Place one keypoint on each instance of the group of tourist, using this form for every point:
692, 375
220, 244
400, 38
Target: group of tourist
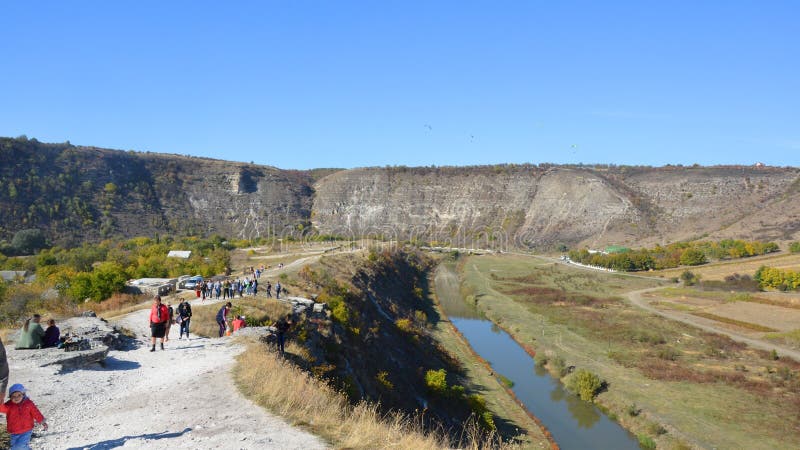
228, 288
163, 316
33, 335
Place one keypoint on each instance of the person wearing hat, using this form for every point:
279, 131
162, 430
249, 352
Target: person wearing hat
21, 414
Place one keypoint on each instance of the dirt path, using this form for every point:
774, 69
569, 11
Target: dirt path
638, 300
180, 398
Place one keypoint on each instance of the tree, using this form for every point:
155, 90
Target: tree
693, 257
26, 242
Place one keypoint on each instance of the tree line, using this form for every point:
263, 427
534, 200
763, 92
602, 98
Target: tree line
674, 255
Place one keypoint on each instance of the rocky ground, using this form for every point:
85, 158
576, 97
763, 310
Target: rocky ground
180, 398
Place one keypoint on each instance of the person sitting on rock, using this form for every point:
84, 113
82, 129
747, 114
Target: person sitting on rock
31, 334
52, 335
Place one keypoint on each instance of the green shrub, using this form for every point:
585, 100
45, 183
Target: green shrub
668, 353
557, 366
794, 247
383, 379
478, 406
633, 410
646, 442
436, 381
404, 325
586, 384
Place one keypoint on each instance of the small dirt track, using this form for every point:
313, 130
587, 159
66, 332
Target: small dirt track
636, 299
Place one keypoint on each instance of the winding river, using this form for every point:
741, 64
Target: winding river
574, 423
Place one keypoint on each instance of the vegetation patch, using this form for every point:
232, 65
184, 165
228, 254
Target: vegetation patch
674, 255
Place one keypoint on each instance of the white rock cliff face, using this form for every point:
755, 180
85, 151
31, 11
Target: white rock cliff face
529, 206
469, 207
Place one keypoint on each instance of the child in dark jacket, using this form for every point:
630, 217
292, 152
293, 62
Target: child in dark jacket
21, 414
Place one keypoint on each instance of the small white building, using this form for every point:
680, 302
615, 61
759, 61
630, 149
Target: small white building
184, 254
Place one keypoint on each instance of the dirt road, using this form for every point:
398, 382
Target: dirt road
638, 300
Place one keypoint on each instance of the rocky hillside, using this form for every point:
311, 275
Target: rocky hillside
79, 193
540, 206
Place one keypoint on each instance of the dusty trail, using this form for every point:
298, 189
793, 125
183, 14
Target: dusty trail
179, 398
637, 300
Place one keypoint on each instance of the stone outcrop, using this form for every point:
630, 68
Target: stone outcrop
93, 338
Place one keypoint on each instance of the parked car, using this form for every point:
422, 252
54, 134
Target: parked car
191, 283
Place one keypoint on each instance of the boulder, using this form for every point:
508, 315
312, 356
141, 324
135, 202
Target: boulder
90, 340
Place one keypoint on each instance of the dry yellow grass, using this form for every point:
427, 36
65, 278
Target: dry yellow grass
311, 403
744, 266
258, 309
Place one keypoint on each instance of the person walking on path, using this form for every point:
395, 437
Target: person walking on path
278, 290
283, 325
169, 322
185, 316
159, 316
269, 289
21, 413
32, 333
222, 318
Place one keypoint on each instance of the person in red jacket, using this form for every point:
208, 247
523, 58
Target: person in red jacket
21, 414
239, 323
159, 317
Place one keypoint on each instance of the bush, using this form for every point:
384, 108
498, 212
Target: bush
689, 278
26, 242
436, 381
794, 247
646, 442
633, 410
693, 257
383, 379
585, 384
668, 353
404, 325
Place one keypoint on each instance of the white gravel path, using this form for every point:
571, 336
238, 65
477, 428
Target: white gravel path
179, 398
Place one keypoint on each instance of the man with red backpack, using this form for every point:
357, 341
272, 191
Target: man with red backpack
159, 317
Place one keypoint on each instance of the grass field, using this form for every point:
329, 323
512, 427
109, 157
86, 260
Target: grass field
702, 388
743, 266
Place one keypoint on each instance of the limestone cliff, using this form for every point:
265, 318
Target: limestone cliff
534, 206
84, 193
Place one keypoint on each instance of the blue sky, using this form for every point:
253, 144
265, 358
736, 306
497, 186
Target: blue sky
304, 84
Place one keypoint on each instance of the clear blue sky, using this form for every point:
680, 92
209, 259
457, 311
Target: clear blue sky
303, 84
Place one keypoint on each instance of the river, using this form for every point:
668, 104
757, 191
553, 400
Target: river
574, 423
